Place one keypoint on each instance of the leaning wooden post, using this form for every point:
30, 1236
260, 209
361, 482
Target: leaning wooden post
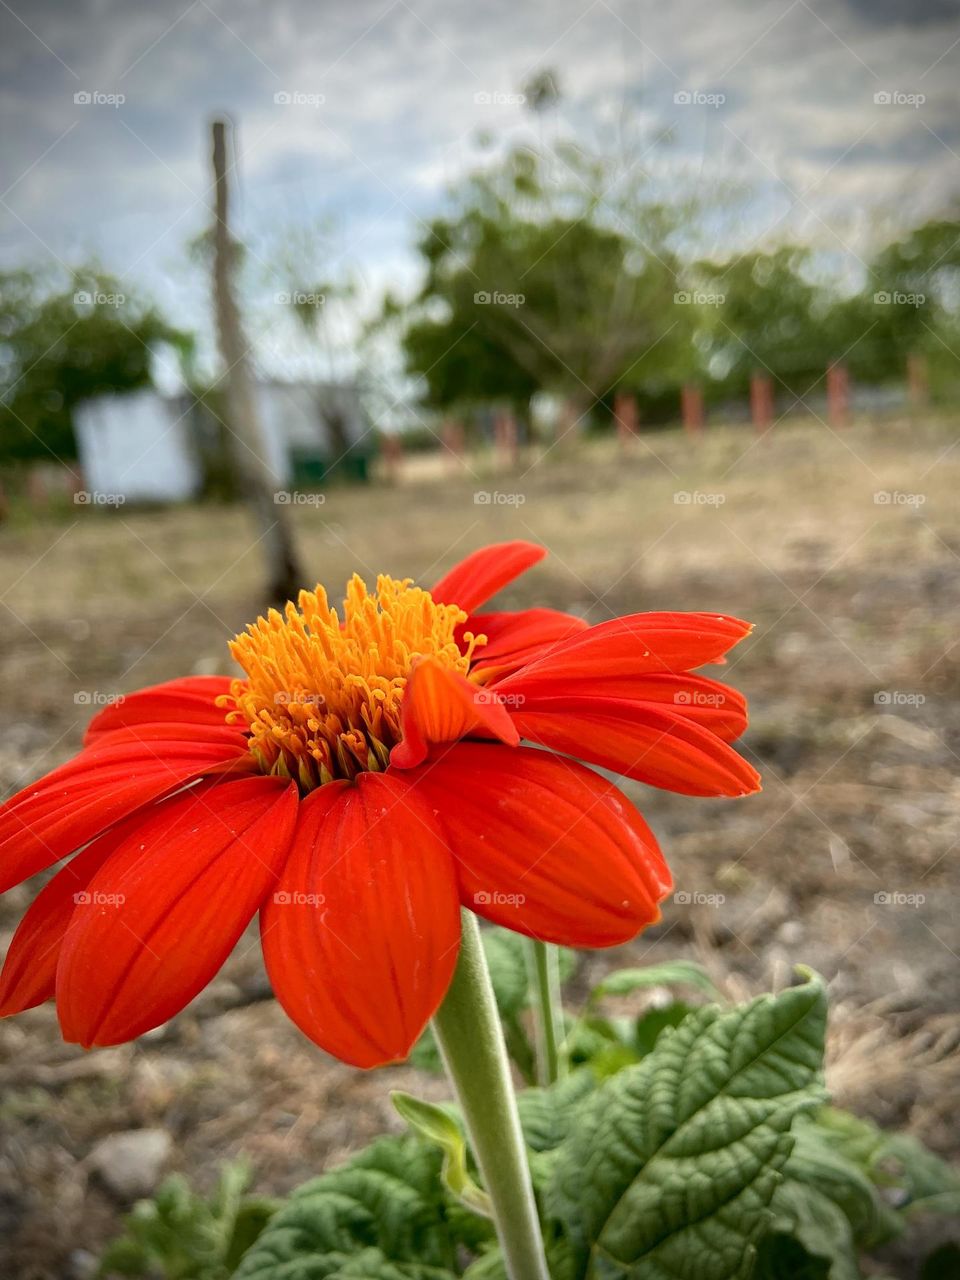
627, 419
284, 578
691, 404
761, 401
838, 395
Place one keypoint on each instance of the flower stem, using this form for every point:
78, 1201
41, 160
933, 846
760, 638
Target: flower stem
545, 980
468, 1031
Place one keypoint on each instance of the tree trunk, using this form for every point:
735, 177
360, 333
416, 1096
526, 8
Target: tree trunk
284, 577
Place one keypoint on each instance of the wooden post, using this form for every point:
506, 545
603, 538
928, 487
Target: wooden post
284, 578
838, 395
451, 433
392, 447
761, 401
691, 403
918, 380
627, 419
505, 439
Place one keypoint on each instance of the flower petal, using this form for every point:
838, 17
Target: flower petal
545, 846
64, 810
190, 700
483, 573
168, 906
440, 705
638, 644
514, 639
361, 938
646, 742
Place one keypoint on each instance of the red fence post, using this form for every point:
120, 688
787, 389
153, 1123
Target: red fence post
838, 395
505, 439
761, 401
918, 380
627, 418
452, 436
392, 447
691, 404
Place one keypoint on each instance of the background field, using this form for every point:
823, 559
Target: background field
843, 548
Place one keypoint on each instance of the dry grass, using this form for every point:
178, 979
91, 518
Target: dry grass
853, 598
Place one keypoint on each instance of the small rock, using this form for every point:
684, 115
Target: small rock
130, 1163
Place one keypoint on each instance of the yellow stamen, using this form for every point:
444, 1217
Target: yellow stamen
322, 699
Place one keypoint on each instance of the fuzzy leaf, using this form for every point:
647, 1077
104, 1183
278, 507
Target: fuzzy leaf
669, 1170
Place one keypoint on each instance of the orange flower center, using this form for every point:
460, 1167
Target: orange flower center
322, 698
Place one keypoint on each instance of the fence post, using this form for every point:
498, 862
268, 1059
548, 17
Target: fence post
451, 433
627, 418
838, 394
761, 401
505, 439
392, 447
918, 380
691, 404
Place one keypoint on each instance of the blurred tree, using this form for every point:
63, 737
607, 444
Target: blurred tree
64, 339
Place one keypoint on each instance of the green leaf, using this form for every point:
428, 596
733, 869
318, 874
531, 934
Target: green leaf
671, 973
670, 1167
438, 1126
546, 1115
383, 1215
812, 1218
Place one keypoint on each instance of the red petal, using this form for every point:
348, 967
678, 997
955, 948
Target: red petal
639, 644
67, 808
545, 846
514, 639
190, 700
483, 573
168, 906
440, 705
644, 742
361, 938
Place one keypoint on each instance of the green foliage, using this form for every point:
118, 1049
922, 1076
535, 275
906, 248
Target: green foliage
441, 1128
183, 1236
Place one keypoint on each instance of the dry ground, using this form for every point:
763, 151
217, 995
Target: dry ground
852, 674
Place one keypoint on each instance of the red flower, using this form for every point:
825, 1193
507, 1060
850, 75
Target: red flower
362, 782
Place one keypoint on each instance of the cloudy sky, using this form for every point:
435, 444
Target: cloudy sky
842, 114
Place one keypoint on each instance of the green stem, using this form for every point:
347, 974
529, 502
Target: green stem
545, 980
468, 1031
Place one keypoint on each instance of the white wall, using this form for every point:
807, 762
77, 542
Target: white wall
137, 445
